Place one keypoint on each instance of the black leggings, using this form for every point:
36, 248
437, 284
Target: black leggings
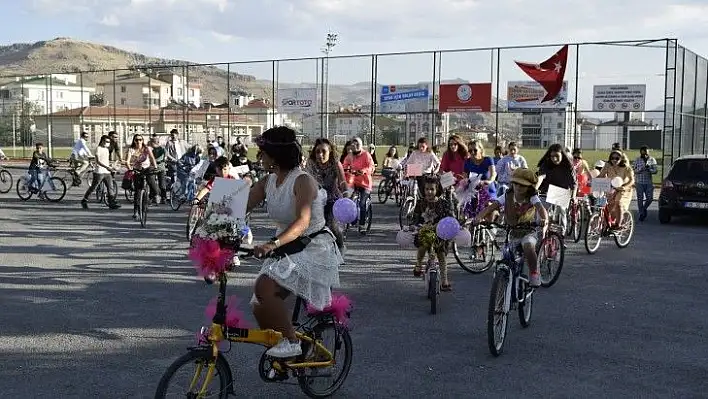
140, 183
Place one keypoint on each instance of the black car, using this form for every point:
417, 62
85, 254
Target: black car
685, 188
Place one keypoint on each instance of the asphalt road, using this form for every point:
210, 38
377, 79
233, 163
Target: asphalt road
91, 305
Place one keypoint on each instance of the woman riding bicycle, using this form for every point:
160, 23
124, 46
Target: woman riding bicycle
618, 165
482, 165
360, 165
453, 160
556, 168
521, 204
140, 159
582, 172
507, 165
329, 173
296, 205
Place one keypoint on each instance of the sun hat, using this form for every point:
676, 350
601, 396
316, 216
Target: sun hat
524, 177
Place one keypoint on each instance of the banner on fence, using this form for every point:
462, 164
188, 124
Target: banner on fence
527, 96
404, 98
466, 97
619, 98
297, 100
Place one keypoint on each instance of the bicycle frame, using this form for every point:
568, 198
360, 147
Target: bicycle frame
265, 337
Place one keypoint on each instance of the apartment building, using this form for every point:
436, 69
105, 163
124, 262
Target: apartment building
45, 94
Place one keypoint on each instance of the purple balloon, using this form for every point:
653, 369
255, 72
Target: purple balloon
345, 210
447, 228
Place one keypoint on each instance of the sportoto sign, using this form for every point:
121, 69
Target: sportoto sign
297, 100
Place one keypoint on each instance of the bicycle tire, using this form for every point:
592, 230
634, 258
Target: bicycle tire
498, 292
433, 282
576, 224
561, 247
525, 307
129, 195
143, 207
5, 181
195, 214
22, 182
626, 216
175, 198
59, 186
405, 212
594, 218
383, 191
474, 267
343, 339
201, 355
369, 216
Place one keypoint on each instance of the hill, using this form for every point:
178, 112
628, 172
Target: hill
64, 55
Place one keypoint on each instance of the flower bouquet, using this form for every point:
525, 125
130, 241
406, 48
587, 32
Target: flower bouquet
217, 239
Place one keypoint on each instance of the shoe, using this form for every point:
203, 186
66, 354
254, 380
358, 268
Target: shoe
135, 216
114, 205
84, 203
446, 287
417, 272
285, 349
535, 280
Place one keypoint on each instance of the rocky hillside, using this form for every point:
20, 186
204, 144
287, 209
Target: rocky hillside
64, 55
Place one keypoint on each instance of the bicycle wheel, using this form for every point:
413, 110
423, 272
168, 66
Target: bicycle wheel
5, 181
383, 192
342, 345
129, 195
526, 305
57, 189
575, 226
552, 251
200, 370
498, 312
22, 188
406, 213
468, 260
593, 232
143, 207
433, 291
369, 216
195, 215
100, 193
176, 197
626, 230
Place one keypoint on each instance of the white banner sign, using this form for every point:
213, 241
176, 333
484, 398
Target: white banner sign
619, 98
297, 100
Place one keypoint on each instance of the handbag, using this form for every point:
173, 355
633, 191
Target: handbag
127, 182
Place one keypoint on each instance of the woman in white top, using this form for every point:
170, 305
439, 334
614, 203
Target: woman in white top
102, 174
296, 205
140, 159
423, 156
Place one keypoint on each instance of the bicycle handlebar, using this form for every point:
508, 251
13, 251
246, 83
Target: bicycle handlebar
519, 226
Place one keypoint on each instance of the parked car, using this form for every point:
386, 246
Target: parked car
684, 191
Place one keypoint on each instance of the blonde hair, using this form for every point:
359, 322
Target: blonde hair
478, 145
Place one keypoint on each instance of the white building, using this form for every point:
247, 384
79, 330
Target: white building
46, 93
350, 125
263, 112
541, 129
139, 90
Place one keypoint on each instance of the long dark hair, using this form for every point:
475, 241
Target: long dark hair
545, 161
134, 144
462, 150
395, 152
332, 150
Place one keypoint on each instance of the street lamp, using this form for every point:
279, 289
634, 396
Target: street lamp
326, 49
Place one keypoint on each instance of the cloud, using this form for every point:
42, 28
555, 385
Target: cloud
450, 23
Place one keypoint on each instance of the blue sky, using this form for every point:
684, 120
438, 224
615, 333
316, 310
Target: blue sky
240, 30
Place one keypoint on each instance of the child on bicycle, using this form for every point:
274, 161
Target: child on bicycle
222, 168
37, 168
427, 213
521, 204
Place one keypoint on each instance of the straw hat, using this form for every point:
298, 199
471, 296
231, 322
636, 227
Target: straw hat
524, 177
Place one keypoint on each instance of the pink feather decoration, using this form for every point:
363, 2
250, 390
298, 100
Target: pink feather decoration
234, 316
340, 307
208, 257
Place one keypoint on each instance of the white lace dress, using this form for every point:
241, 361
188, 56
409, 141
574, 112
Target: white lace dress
311, 273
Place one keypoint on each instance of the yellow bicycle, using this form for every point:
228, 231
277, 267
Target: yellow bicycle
207, 365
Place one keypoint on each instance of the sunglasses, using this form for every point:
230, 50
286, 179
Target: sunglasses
474, 150
614, 159
138, 140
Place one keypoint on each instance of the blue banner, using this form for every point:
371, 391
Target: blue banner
406, 95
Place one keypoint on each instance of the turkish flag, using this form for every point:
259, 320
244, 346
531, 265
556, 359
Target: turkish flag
549, 73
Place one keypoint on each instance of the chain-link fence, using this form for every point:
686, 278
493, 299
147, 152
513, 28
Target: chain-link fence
589, 95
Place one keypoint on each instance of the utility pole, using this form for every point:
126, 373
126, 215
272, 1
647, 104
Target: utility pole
330, 42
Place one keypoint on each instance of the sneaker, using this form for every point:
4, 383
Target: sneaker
285, 349
84, 203
535, 280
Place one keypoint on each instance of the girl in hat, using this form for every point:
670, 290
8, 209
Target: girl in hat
521, 204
